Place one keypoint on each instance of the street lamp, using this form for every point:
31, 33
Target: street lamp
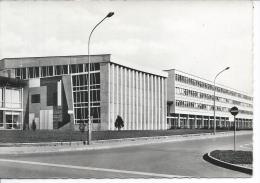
215, 97
110, 14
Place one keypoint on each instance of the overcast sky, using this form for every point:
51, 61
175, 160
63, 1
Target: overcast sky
198, 37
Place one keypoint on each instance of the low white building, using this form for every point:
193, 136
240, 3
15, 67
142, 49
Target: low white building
190, 103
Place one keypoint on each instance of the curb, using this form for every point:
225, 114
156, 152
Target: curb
227, 165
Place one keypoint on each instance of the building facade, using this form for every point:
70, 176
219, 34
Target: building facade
53, 93
190, 103
56, 89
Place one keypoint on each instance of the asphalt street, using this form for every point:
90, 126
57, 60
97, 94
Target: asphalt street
165, 160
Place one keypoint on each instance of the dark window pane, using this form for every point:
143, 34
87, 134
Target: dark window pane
18, 73
57, 70
23, 73
30, 70
44, 71
35, 98
65, 69
50, 69
73, 68
36, 72
80, 68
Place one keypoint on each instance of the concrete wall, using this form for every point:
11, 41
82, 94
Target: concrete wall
104, 97
139, 98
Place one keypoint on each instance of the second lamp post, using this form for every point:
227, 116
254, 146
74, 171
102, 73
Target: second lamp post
215, 97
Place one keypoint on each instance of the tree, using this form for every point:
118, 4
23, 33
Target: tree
119, 123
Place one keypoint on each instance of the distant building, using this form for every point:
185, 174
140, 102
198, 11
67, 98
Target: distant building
54, 93
190, 103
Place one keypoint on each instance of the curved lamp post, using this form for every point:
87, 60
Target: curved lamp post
215, 97
110, 14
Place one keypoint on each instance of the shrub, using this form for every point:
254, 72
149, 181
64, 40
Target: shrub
119, 123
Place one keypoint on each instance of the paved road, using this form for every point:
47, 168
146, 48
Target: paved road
165, 160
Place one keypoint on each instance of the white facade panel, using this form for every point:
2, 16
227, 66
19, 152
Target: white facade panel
137, 99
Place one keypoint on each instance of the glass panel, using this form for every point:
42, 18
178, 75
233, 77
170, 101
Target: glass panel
30, 70
73, 68
16, 120
16, 99
8, 118
18, 73
8, 98
36, 72
58, 70
1, 97
65, 69
80, 68
50, 69
1, 119
23, 73
12, 98
44, 71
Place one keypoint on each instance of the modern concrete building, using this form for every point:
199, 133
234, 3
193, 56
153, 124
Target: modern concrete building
52, 92
190, 103
55, 93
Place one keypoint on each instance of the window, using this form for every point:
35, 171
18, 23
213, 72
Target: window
58, 69
61, 69
93, 67
35, 98
13, 120
18, 73
13, 98
80, 97
73, 68
46, 71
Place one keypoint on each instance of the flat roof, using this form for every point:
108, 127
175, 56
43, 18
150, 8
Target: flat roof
10, 63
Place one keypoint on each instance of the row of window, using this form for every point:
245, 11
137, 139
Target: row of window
82, 79
194, 105
80, 97
201, 84
192, 93
45, 71
81, 114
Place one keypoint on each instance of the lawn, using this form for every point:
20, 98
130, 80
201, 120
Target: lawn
16, 136
234, 157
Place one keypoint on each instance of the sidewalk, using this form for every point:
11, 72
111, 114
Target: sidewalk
28, 148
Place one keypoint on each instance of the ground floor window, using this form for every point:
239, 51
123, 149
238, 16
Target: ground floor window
10, 120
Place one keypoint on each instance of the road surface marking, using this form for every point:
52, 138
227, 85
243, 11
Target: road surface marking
94, 169
246, 146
